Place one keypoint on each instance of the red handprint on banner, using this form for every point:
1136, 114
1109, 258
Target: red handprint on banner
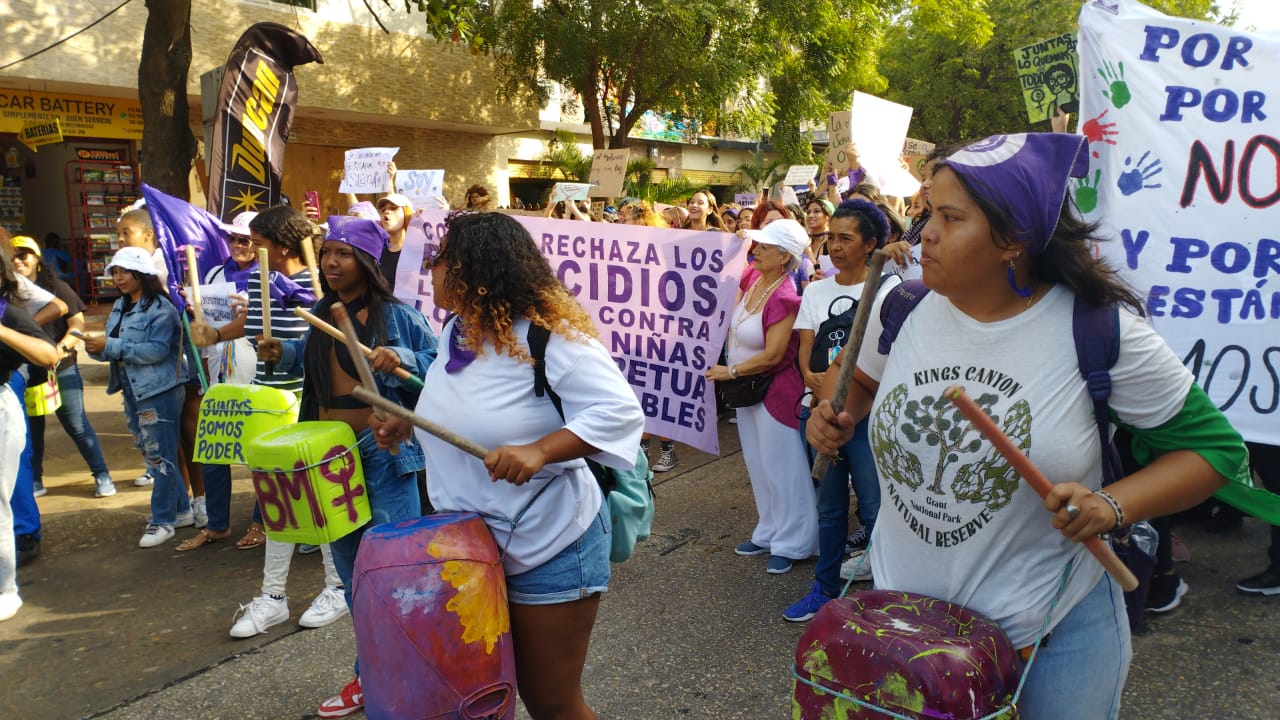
1095, 130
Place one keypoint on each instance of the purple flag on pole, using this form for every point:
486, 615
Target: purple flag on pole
178, 223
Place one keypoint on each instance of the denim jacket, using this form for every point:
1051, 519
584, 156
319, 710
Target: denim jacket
407, 334
149, 348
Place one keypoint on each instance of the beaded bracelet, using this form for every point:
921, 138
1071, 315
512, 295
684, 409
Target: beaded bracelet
1115, 507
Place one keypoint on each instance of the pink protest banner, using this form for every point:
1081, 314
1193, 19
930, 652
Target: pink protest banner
661, 300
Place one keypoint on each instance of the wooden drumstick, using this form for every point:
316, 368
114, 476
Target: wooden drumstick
378, 402
309, 256
357, 356
860, 317
336, 334
1036, 479
264, 273
193, 279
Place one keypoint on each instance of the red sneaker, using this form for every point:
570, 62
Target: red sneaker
345, 703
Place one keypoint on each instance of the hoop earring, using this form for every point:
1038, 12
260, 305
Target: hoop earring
1013, 283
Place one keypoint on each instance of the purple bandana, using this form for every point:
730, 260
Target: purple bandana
1026, 176
459, 356
289, 292
361, 234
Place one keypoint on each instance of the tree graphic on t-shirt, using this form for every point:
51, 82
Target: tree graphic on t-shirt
987, 479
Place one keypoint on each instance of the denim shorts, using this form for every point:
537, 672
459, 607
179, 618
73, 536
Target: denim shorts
579, 571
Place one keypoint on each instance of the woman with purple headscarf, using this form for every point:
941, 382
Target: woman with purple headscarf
1006, 258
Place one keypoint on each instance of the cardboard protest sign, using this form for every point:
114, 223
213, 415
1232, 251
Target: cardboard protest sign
746, 199
1049, 72
608, 171
661, 300
839, 136
422, 187
597, 210
879, 129
570, 191
914, 153
799, 175
231, 415
365, 170
1183, 176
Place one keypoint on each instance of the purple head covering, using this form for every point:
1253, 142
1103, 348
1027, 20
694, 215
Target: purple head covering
365, 209
359, 233
1026, 177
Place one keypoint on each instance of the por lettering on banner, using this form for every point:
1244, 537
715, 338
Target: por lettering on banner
660, 298
1184, 177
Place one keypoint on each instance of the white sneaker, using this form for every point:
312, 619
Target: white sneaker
666, 460
328, 606
186, 519
9, 604
143, 480
155, 534
858, 567
200, 511
261, 613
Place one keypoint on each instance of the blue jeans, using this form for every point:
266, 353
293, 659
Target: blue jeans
155, 423
13, 436
579, 571
75, 422
217, 496
857, 461
26, 514
1090, 649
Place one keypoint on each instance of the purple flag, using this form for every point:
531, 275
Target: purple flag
178, 223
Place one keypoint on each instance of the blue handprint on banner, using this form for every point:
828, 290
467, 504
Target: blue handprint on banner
1136, 177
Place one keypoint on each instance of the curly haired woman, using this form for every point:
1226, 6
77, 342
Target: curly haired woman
490, 272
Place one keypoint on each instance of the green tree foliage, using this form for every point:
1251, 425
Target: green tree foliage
759, 172
957, 71
749, 66
567, 159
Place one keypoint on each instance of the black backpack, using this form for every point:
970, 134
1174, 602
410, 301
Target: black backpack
833, 333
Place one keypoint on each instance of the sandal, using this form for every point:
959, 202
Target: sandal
202, 538
253, 537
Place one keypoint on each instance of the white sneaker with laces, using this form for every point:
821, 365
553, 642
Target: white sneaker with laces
858, 567
143, 480
155, 535
186, 519
200, 512
328, 606
666, 461
261, 613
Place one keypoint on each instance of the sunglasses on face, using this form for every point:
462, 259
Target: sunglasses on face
239, 240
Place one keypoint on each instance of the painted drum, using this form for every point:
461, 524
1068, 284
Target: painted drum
433, 633
916, 656
308, 481
230, 415
43, 399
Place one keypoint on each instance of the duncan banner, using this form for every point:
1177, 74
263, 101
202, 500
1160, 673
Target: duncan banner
255, 112
1183, 175
661, 301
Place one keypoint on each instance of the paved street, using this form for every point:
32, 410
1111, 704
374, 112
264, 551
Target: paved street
688, 630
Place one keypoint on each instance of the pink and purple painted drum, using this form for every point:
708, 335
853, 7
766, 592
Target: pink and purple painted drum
429, 602
916, 656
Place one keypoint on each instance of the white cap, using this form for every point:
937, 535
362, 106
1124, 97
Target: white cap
240, 223
396, 199
133, 258
785, 233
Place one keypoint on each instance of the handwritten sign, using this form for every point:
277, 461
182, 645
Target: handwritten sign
570, 191
660, 298
608, 171
422, 187
798, 175
839, 134
746, 199
309, 482
216, 301
230, 415
1049, 72
38, 133
365, 170
914, 153
1182, 173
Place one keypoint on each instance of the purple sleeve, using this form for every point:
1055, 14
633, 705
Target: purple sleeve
857, 176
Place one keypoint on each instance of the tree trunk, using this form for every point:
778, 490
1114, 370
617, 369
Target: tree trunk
167, 143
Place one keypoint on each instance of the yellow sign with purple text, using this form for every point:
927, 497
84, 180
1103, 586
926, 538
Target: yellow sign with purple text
76, 115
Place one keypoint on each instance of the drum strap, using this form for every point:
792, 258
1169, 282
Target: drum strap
513, 523
1005, 711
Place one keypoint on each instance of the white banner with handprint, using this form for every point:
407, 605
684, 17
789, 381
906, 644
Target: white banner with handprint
1185, 176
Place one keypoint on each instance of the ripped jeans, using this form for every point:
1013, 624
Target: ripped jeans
155, 423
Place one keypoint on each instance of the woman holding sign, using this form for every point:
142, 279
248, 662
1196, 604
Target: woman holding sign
1007, 260
144, 347
491, 273
400, 337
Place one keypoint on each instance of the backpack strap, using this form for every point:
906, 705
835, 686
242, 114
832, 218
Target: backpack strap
1097, 337
898, 304
537, 339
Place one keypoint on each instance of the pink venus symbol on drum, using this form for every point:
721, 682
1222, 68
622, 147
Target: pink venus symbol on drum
276, 490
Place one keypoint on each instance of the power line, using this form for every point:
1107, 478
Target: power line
81, 30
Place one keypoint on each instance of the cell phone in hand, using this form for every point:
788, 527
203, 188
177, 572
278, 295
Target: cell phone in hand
311, 198
76, 333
